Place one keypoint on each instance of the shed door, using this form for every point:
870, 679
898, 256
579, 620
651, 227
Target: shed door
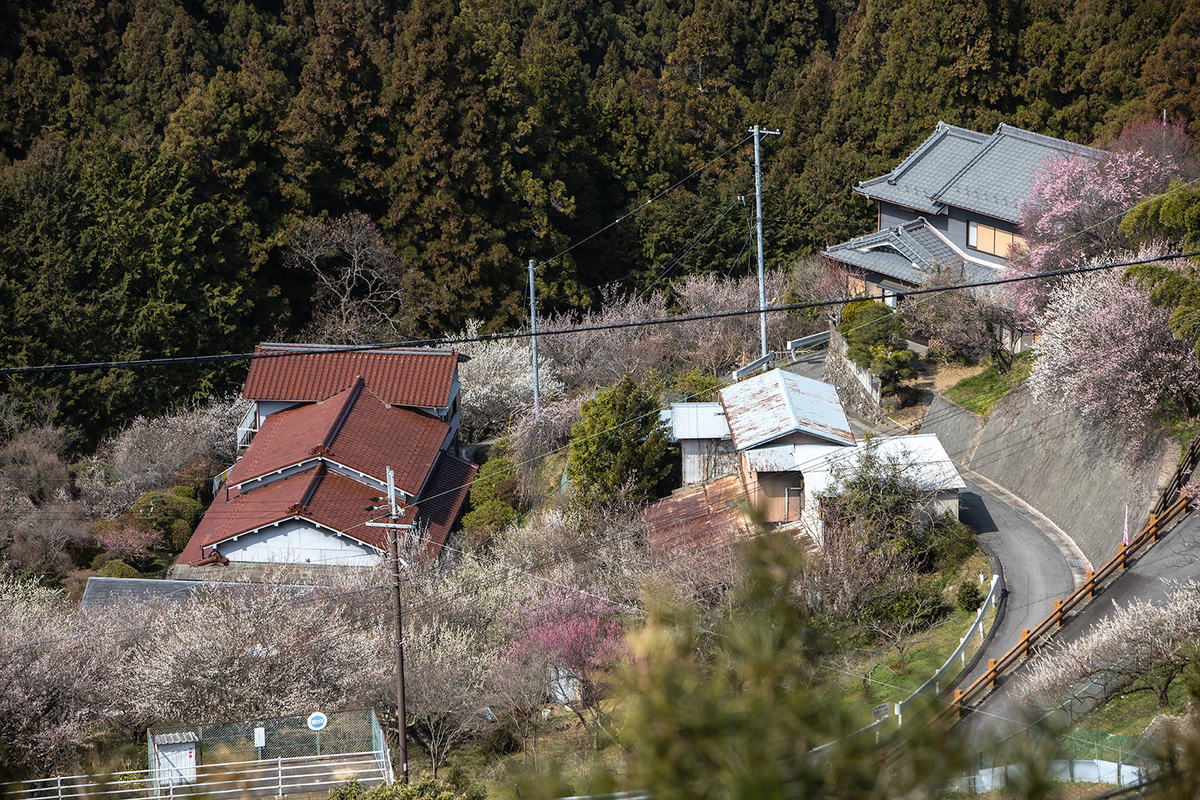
178, 762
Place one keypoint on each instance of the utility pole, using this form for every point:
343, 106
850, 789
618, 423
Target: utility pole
762, 280
393, 535
533, 322
394, 546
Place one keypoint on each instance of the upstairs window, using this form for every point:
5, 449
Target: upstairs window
991, 240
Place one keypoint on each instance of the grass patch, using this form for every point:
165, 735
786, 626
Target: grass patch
980, 393
1129, 716
892, 681
562, 742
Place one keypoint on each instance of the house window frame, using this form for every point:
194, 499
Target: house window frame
992, 233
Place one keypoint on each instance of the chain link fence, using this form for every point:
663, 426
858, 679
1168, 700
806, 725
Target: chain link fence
344, 732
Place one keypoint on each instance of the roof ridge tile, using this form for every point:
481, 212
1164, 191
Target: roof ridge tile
351, 398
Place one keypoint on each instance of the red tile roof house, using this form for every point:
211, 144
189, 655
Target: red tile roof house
325, 426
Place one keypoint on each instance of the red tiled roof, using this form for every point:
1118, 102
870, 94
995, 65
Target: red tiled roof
414, 378
444, 497
354, 428
320, 496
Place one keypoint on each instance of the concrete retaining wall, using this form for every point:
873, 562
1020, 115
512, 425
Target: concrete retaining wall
1055, 463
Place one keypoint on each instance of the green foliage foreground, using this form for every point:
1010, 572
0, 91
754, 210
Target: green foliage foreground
735, 712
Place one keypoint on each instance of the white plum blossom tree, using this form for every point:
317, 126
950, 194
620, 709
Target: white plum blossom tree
1104, 350
497, 380
1142, 646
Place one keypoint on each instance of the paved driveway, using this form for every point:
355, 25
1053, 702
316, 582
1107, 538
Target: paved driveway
1035, 569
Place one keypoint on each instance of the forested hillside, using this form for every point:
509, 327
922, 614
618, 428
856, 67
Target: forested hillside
159, 157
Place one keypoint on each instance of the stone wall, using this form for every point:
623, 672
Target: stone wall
857, 388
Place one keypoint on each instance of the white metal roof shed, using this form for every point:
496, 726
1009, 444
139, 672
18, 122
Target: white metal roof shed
923, 455
697, 421
766, 407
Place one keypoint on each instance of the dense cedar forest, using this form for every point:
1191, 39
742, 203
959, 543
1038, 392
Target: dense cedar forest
158, 157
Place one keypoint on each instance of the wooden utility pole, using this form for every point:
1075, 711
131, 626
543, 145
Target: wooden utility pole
533, 323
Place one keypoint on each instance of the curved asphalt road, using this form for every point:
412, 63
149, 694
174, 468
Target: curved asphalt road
1035, 570
1176, 557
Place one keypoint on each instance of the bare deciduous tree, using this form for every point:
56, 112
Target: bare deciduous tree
258, 651
968, 322
446, 664
722, 344
149, 451
360, 281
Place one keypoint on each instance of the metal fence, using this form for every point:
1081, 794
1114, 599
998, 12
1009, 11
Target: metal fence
304, 775
945, 674
269, 739
1083, 757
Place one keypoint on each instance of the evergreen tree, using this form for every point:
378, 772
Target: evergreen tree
620, 447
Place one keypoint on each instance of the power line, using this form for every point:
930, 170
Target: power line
511, 335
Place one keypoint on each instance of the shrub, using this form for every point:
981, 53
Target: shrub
496, 497
487, 518
694, 386
417, 790
875, 340
919, 605
161, 510
178, 534
950, 543
118, 569
968, 596
184, 491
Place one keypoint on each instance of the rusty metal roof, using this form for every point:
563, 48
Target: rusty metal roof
766, 407
706, 516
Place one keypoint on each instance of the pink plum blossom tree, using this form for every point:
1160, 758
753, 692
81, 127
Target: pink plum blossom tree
577, 635
1074, 211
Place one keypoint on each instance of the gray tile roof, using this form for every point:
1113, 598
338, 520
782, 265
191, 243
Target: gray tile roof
917, 178
906, 252
989, 175
102, 592
999, 176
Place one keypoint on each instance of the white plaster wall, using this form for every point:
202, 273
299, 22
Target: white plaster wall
268, 407
298, 542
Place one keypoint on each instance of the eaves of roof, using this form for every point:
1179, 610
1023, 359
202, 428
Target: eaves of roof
330, 501
907, 253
